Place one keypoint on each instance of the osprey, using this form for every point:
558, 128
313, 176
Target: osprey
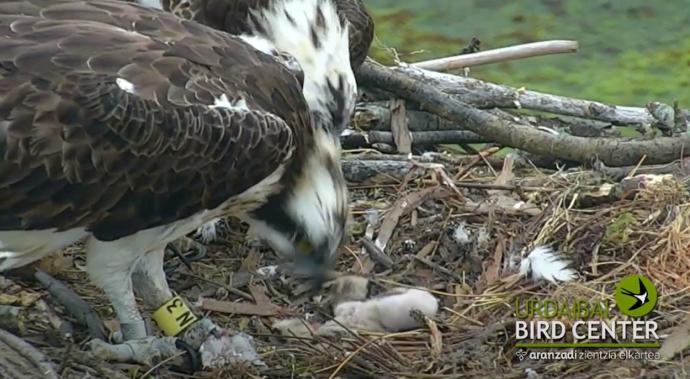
315, 36
239, 17
322, 35
130, 127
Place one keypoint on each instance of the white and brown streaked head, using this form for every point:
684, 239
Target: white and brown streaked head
304, 217
317, 37
306, 221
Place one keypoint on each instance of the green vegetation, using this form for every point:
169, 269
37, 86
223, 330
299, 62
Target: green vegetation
631, 52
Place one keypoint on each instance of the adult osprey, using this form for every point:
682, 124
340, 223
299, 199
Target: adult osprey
131, 127
318, 34
293, 26
235, 17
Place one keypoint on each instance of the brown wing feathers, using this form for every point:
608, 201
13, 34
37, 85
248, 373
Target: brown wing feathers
361, 29
79, 151
232, 15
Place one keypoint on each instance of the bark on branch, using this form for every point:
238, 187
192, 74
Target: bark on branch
357, 140
489, 95
376, 116
612, 152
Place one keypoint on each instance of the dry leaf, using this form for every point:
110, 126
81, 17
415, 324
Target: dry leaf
23, 299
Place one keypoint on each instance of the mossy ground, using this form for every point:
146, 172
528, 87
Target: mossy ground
631, 52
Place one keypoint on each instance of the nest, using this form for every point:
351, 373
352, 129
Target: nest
459, 232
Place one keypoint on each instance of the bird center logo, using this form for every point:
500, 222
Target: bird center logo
635, 296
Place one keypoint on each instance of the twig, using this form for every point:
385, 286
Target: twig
240, 308
73, 304
376, 253
613, 152
438, 268
230, 289
679, 168
161, 363
480, 157
24, 352
503, 54
401, 207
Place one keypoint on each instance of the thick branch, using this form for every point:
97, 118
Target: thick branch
357, 170
357, 140
612, 152
377, 116
489, 95
361, 167
499, 55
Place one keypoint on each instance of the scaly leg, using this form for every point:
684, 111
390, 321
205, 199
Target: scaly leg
149, 279
218, 347
151, 284
110, 268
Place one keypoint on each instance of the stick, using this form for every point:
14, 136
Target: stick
222, 306
21, 352
73, 304
398, 121
357, 140
377, 254
376, 116
400, 208
612, 152
510, 53
428, 157
357, 171
681, 169
489, 95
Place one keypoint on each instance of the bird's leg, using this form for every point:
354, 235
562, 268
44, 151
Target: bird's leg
151, 284
214, 344
110, 267
149, 279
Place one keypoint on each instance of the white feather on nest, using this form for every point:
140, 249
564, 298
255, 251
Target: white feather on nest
544, 263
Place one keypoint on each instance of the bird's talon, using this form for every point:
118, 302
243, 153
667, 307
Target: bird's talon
116, 337
198, 332
148, 351
193, 359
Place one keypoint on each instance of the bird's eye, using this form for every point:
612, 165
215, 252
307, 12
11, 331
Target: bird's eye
304, 247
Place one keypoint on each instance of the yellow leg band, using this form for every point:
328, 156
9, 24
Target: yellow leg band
173, 316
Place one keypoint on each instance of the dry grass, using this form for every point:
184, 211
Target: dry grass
474, 277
